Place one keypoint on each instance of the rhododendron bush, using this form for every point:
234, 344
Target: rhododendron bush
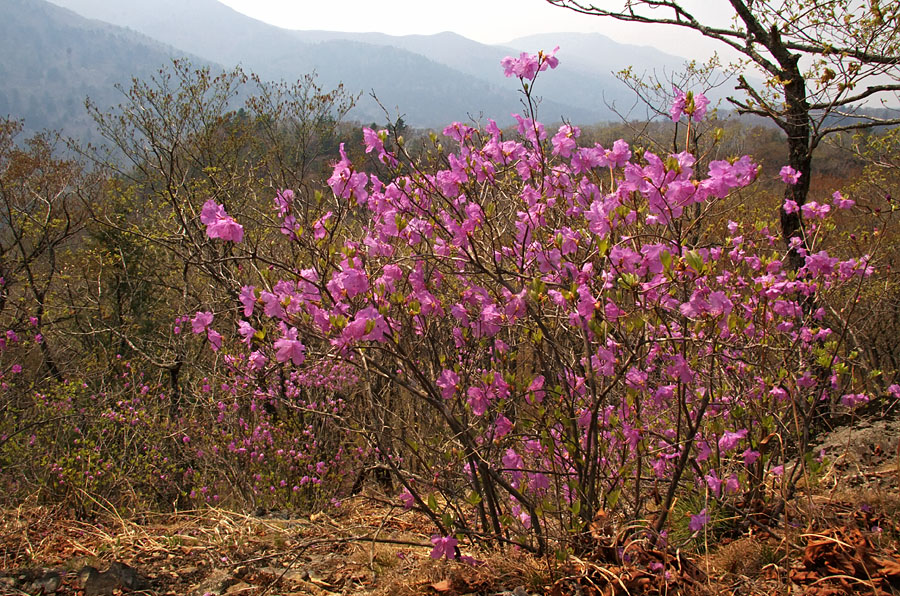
573, 330
522, 331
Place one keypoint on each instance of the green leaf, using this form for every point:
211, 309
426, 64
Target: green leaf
694, 260
665, 257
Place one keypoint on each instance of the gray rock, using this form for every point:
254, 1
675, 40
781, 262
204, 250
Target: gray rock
217, 583
47, 583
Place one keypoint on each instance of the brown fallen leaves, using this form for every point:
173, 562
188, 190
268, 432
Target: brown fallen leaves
842, 561
625, 561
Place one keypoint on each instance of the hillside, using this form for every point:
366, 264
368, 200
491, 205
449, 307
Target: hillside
53, 58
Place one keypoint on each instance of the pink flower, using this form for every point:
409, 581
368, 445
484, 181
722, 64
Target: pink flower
564, 141
729, 440
536, 389
257, 360
219, 224
248, 299
750, 456
290, 348
789, 175
700, 104
201, 321
813, 209
345, 183
840, 202
851, 400
448, 381
688, 103
283, 200
678, 105
215, 339
349, 283
408, 501
319, 229
246, 331
732, 485
526, 66
698, 521
478, 399
443, 546
502, 426
367, 325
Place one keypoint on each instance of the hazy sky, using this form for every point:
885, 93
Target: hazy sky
487, 21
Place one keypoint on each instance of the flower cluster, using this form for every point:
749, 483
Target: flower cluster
219, 224
527, 66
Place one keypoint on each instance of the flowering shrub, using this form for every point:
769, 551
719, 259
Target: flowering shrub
572, 328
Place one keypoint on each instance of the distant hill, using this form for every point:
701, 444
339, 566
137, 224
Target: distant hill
52, 58
431, 79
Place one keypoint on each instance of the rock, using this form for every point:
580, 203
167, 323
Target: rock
128, 576
48, 583
290, 575
238, 588
118, 576
95, 583
216, 583
37, 581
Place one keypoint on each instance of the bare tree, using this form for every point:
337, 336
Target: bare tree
821, 58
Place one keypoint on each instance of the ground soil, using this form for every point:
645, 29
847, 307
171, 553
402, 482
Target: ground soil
838, 535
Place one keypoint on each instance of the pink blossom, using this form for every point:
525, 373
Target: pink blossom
789, 175
698, 521
283, 200
478, 399
319, 229
246, 331
443, 546
502, 426
564, 141
750, 456
840, 202
219, 224
248, 299
349, 283
367, 325
815, 210
851, 400
448, 381
526, 66
201, 321
408, 500
345, 182
215, 339
257, 360
678, 104
288, 347
536, 389
694, 105
732, 485
714, 483
729, 440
